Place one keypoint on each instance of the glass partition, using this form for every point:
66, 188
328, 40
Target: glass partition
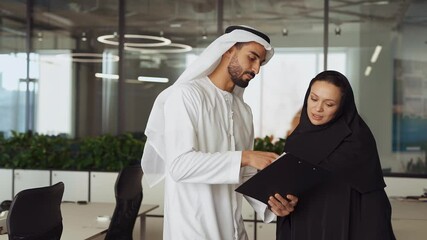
77, 87
408, 74
64, 70
13, 70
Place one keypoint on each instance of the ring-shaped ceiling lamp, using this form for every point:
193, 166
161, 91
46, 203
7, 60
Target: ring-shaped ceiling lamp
161, 40
89, 57
175, 48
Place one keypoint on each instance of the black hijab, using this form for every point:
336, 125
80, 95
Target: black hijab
345, 145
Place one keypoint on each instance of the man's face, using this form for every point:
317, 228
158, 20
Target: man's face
245, 63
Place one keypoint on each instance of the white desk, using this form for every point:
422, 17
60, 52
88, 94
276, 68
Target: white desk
409, 219
80, 221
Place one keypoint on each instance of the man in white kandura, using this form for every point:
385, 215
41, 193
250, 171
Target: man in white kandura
200, 139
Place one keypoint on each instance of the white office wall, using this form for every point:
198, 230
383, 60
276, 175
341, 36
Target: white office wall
6, 184
54, 82
24, 179
154, 229
76, 184
399, 186
266, 231
102, 186
153, 195
249, 226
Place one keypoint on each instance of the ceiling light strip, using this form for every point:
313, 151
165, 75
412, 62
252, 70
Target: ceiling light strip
89, 57
140, 78
107, 75
368, 70
153, 79
376, 53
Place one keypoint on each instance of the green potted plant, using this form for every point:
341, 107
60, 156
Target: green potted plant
268, 143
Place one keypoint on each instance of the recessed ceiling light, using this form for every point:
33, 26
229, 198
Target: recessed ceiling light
84, 38
285, 32
337, 30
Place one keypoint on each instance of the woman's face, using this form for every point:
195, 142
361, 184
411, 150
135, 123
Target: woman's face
323, 102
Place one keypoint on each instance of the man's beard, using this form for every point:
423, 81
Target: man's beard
236, 73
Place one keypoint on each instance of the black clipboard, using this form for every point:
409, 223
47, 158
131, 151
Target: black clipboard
286, 175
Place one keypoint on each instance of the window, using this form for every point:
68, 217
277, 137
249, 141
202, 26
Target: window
277, 93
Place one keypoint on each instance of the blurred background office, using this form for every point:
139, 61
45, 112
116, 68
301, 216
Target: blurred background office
91, 67
85, 68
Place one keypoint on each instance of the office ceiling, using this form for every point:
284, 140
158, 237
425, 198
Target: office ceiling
187, 21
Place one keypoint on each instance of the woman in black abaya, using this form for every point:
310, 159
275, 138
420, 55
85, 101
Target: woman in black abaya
351, 204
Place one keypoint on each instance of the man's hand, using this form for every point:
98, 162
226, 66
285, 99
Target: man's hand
258, 159
281, 206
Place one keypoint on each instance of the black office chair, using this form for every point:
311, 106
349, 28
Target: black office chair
128, 190
35, 214
5, 205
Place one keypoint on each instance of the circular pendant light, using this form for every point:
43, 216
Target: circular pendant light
157, 41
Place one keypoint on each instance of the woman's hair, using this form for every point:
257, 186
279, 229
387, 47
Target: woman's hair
333, 77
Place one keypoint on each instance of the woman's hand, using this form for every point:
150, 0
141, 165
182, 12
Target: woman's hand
282, 206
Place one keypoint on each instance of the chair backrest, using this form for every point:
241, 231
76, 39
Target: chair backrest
128, 191
35, 214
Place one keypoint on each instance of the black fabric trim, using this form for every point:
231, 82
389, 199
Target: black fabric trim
251, 30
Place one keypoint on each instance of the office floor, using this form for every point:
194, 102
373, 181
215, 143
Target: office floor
154, 228
409, 223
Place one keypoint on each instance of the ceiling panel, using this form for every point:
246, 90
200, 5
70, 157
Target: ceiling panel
189, 20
